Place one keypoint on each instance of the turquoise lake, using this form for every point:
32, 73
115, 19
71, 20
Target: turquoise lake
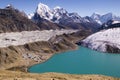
81, 61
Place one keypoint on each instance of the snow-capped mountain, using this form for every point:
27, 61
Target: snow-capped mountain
96, 17
104, 18
61, 16
105, 41
44, 11
56, 14
9, 6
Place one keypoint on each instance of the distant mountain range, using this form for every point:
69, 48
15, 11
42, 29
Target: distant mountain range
107, 39
101, 19
56, 18
72, 20
59, 14
62, 17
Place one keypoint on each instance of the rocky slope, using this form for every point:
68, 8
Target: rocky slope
11, 75
11, 20
111, 24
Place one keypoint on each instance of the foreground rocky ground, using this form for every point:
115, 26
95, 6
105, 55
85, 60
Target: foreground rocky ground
14, 75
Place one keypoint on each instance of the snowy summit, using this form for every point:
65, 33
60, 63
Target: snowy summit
44, 11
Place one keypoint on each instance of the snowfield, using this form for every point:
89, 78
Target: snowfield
21, 38
99, 40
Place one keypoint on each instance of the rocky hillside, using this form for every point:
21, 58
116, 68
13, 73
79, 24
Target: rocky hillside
12, 20
11, 75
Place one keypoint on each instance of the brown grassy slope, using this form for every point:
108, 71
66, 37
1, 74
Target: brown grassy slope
14, 75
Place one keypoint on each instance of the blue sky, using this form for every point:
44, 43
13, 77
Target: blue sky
82, 7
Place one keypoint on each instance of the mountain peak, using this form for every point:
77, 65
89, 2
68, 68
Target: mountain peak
110, 14
59, 10
96, 13
9, 6
57, 7
44, 11
104, 18
96, 16
43, 7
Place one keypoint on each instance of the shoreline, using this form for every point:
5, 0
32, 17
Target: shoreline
52, 56
15, 75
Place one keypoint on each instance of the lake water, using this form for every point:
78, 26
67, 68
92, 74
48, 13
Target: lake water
81, 61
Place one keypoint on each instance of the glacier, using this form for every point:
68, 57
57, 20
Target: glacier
21, 38
99, 40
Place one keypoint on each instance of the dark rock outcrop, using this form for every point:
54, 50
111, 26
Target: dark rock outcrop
110, 24
112, 49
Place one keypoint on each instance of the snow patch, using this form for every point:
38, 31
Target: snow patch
115, 22
30, 16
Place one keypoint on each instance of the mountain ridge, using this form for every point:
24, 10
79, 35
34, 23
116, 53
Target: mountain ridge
61, 16
57, 13
101, 19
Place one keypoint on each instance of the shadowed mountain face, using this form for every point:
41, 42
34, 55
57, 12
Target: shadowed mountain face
45, 24
12, 20
111, 24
